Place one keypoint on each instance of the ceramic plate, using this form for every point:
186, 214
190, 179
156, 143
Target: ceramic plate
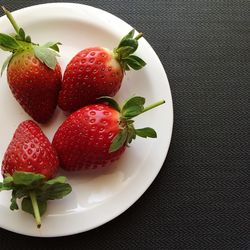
97, 197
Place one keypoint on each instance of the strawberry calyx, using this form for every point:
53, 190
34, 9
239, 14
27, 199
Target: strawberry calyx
20, 42
35, 191
124, 52
130, 109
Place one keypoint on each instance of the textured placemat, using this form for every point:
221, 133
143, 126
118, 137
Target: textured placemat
200, 199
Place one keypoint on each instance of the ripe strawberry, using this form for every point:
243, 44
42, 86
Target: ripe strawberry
96, 72
29, 163
30, 151
33, 74
96, 135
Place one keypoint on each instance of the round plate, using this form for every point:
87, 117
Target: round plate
97, 196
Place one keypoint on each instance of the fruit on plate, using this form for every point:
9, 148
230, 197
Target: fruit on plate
29, 166
33, 73
97, 71
97, 134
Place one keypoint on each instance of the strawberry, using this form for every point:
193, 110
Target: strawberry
33, 74
96, 72
97, 134
30, 151
30, 162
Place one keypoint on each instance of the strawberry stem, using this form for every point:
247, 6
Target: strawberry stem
154, 105
139, 36
35, 208
11, 18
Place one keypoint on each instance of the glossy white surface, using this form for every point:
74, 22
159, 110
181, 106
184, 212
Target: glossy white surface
100, 196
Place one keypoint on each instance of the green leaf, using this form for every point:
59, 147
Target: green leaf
8, 180
52, 45
27, 206
5, 187
126, 67
111, 102
13, 203
133, 107
6, 49
6, 63
46, 56
138, 59
129, 43
131, 134
146, 132
124, 51
22, 34
128, 36
12, 34
58, 179
119, 140
27, 179
135, 62
28, 39
55, 191
132, 112
8, 43
55, 47
134, 101
17, 37
21, 192
7, 183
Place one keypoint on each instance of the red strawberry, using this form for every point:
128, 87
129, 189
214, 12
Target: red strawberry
29, 163
98, 134
34, 76
84, 138
96, 72
30, 151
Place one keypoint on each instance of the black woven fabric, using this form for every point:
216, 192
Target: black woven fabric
200, 199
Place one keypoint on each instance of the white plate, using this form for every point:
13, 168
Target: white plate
97, 197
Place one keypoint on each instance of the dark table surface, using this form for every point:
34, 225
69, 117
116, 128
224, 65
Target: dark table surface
200, 199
